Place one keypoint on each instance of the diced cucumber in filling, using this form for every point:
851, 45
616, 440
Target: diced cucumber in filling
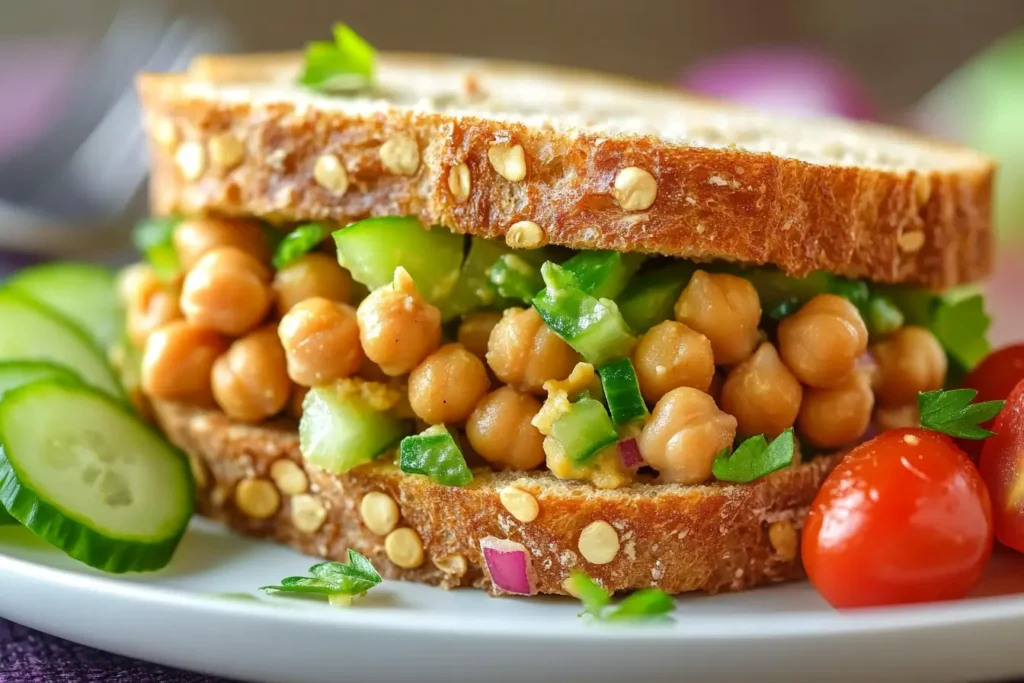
474, 289
622, 392
435, 453
154, 238
651, 296
603, 274
584, 430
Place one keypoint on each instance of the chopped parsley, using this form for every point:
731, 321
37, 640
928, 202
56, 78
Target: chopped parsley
755, 458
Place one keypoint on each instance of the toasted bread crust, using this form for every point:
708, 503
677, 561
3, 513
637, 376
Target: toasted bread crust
924, 227
709, 538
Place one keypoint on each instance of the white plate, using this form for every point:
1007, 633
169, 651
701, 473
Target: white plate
181, 617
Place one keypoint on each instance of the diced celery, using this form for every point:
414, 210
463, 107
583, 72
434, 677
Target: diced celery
603, 274
650, 296
622, 391
584, 430
435, 454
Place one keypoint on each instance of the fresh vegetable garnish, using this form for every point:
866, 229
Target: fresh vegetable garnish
951, 412
340, 582
514, 277
509, 565
649, 297
603, 274
1002, 457
649, 603
347, 64
84, 474
864, 545
622, 391
584, 430
299, 242
154, 239
434, 453
994, 379
594, 327
755, 458
14, 374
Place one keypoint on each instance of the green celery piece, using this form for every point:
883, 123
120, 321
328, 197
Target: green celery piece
594, 327
622, 391
474, 289
299, 242
651, 296
154, 239
584, 430
603, 274
435, 454
343, 65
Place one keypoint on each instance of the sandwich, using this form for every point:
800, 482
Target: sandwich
489, 323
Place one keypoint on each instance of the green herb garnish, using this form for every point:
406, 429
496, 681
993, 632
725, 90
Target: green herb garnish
154, 238
434, 453
339, 582
649, 603
299, 242
344, 65
951, 412
755, 458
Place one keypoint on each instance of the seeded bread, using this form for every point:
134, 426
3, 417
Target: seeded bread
712, 538
594, 161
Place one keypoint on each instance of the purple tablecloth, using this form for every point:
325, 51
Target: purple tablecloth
28, 656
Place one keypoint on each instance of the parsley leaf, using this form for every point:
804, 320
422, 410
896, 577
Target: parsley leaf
960, 326
644, 604
755, 458
951, 412
339, 582
593, 597
298, 243
344, 65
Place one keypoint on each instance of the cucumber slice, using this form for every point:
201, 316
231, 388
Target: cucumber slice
651, 296
88, 477
299, 242
584, 430
339, 429
603, 274
30, 331
14, 374
5, 518
622, 391
84, 293
371, 250
474, 289
434, 453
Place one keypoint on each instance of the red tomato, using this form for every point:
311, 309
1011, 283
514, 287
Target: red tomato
1002, 457
904, 518
994, 379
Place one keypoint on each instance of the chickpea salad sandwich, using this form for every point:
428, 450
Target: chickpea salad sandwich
493, 325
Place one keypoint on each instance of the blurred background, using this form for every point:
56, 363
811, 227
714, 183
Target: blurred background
72, 165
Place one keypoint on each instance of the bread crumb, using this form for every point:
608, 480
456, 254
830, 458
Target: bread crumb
658, 571
718, 180
567, 558
630, 550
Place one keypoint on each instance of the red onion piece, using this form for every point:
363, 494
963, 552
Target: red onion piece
629, 453
509, 565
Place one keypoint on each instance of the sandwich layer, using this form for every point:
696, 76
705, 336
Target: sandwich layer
595, 162
714, 537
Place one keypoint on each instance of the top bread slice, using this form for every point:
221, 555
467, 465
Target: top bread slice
235, 136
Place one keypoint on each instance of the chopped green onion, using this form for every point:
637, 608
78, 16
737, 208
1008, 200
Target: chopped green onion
622, 391
755, 458
346, 64
603, 274
651, 296
435, 454
584, 430
154, 238
339, 582
298, 243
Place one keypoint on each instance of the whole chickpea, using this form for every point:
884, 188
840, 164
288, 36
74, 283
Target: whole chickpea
910, 361
250, 381
297, 399
321, 342
821, 343
524, 352
500, 432
726, 310
178, 360
447, 385
831, 418
227, 290
311, 275
684, 434
671, 355
475, 332
195, 237
908, 415
762, 394
397, 327
149, 304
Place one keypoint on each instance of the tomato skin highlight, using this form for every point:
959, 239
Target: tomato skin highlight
994, 378
904, 518
1002, 467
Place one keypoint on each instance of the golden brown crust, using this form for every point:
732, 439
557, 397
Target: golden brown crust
710, 538
930, 227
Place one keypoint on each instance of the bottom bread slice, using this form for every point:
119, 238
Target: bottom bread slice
712, 537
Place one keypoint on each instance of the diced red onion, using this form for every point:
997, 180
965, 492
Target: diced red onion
509, 565
629, 453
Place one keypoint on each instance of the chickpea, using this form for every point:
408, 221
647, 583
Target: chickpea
524, 352
309, 276
295, 402
178, 360
227, 291
715, 390
447, 385
671, 355
726, 310
500, 432
831, 418
821, 343
250, 381
684, 434
910, 361
397, 327
195, 237
321, 342
762, 394
908, 415
149, 304
475, 332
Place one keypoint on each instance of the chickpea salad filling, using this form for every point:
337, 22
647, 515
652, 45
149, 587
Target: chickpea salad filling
390, 340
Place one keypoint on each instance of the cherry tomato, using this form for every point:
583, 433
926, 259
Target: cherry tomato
1002, 467
903, 518
994, 379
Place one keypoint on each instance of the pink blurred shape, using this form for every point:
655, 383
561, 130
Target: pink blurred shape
788, 80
